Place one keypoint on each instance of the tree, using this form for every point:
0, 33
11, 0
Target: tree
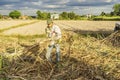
108, 14
42, 15
103, 14
77, 17
15, 14
71, 15
64, 15
116, 8
39, 14
112, 13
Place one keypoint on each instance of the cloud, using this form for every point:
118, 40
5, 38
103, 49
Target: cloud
78, 6
90, 3
56, 2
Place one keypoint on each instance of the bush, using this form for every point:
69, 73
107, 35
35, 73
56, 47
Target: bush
15, 14
97, 18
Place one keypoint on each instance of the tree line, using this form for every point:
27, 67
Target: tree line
115, 12
44, 15
64, 15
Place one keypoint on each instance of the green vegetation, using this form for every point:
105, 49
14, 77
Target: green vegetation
15, 14
42, 15
116, 8
69, 16
106, 18
64, 15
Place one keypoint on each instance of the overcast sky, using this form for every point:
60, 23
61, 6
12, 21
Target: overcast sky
30, 7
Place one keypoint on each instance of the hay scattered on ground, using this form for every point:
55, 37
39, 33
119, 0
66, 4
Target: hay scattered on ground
113, 39
82, 58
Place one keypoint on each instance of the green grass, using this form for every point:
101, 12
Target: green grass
105, 18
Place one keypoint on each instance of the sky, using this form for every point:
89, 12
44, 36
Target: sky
81, 7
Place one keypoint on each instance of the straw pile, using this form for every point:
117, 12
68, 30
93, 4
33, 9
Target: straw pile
81, 59
113, 39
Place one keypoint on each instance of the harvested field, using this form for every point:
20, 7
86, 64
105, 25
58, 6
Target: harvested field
87, 25
9, 23
38, 28
33, 29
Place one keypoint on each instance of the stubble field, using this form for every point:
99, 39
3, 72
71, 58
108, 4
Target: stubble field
38, 28
9, 23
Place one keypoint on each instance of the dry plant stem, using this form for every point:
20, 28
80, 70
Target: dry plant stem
17, 77
51, 73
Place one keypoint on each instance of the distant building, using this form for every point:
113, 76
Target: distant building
89, 15
54, 16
